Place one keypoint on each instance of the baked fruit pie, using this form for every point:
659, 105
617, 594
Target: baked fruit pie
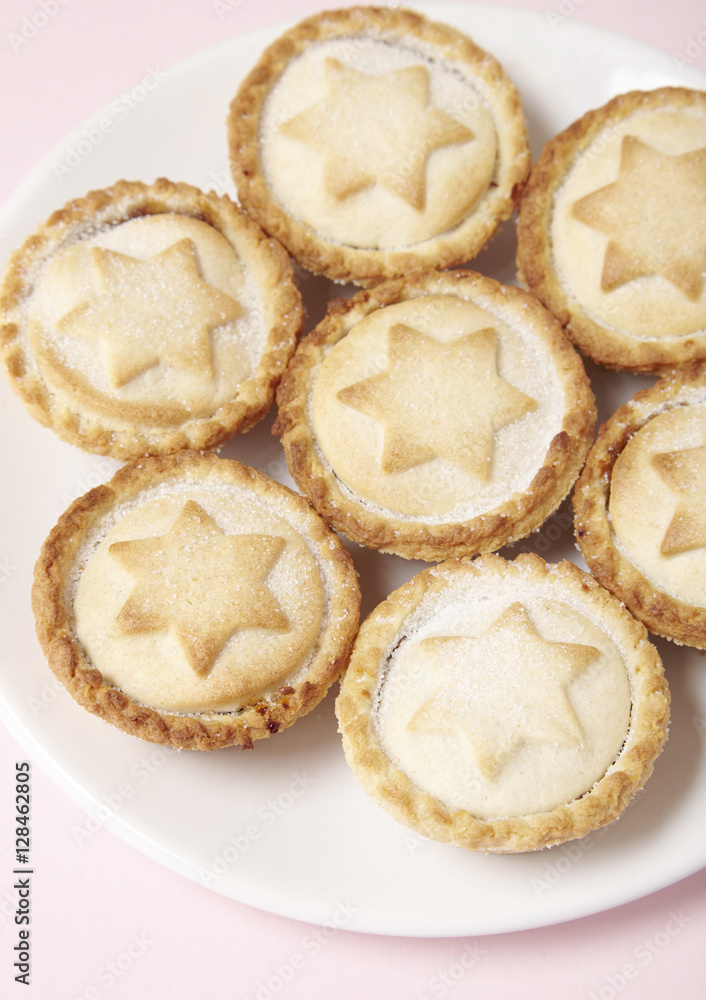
196, 602
502, 706
611, 233
372, 142
444, 415
641, 506
148, 318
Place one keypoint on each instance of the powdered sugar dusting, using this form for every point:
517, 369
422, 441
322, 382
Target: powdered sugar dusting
458, 707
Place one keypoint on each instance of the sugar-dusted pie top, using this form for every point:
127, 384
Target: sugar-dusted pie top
627, 231
155, 317
146, 318
198, 598
376, 144
435, 408
503, 706
658, 502
611, 232
194, 601
373, 142
440, 415
494, 699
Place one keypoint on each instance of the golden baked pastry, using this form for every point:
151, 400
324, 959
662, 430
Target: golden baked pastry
501, 706
611, 232
194, 601
148, 318
443, 415
640, 506
372, 142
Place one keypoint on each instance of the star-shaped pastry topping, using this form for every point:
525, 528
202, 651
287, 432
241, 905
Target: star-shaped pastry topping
684, 472
653, 215
438, 399
502, 689
199, 583
376, 129
147, 311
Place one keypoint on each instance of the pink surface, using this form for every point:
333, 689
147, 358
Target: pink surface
107, 921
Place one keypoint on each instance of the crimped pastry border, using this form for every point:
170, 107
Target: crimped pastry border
104, 208
366, 267
516, 517
663, 615
399, 796
535, 258
212, 730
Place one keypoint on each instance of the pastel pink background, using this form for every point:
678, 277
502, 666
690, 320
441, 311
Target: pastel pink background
101, 901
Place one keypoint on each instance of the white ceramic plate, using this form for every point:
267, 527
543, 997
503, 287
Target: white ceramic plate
285, 828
